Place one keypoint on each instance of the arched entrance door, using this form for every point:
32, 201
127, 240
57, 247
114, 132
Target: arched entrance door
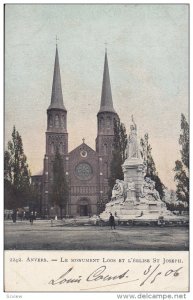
83, 207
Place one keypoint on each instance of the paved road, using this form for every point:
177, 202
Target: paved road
42, 236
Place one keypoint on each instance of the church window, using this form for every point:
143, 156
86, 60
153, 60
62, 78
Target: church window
112, 148
83, 171
61, 148
106, 170
50, 121
56, 121
108, 122
101, 123
52, 148
83, 153
63, 121
105, 149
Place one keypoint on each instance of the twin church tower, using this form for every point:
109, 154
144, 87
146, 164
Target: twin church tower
87, 170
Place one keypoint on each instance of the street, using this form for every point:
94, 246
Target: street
42, 236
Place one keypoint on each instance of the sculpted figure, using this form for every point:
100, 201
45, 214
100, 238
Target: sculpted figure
132, 145
145, 189
148, 190
155, 193
118, 190
130, 189
131, 184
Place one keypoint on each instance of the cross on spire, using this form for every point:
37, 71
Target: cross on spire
106, 46
57, 39
83, 140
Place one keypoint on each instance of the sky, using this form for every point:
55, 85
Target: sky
148, 62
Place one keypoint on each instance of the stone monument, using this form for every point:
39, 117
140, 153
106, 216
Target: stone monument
135, 197
133, 167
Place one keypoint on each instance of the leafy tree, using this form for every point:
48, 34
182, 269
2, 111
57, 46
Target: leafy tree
9, 197
120, 138
178, 206
16, 173
34, 199
182, 166
118, 155
60, 190
184, 141
150, 164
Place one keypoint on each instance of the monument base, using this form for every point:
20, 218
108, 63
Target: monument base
132, 210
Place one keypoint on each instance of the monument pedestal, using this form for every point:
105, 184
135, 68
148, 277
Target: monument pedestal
134, 169
140, 202
135, 211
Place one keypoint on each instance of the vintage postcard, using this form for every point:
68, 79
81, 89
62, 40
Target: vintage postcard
96, 148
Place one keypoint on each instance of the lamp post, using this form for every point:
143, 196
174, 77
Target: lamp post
100, 203
46, 205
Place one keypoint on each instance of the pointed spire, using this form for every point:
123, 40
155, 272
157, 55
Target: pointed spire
106, 96
57, 97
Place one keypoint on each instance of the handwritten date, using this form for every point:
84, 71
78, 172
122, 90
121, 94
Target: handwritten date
102, 274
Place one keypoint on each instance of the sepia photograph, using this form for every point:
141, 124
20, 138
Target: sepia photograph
96, 141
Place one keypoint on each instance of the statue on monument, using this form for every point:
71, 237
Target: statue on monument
118, 190
132, 150
130, 189
148, 191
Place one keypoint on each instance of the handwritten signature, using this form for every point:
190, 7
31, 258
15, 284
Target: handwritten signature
101, 274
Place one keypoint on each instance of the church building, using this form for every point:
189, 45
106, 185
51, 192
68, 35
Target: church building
87, 170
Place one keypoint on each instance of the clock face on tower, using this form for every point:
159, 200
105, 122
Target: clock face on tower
83, 171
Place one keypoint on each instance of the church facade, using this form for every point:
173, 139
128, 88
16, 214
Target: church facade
87, 170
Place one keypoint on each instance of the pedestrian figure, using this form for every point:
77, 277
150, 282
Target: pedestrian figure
21, 216
112, 221
99, 221
14, 216
31, 218
35, 215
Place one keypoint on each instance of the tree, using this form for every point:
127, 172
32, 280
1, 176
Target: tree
16, 173
60, 191
34, 198
182, 166
150, 164
118, 155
